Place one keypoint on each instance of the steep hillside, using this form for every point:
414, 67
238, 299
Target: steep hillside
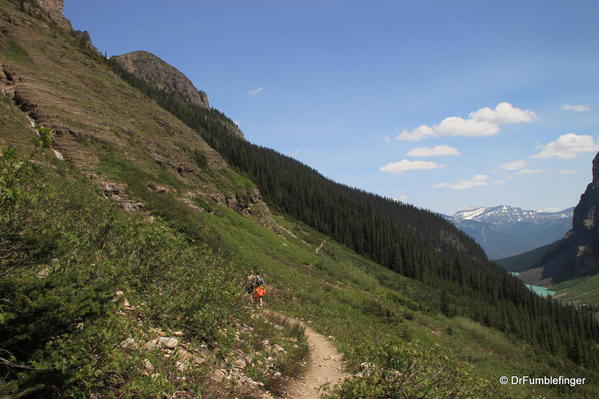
125, 241
505, 231
60, 82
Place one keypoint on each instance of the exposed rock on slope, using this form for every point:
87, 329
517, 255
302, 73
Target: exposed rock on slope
162, 75
104, 126
55, 8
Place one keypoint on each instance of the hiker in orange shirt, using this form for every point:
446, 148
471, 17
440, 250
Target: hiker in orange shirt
259, 291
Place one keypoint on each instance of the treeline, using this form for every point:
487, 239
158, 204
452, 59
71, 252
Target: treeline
413, 242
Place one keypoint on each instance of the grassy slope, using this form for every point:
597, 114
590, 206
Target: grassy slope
70, 236
579, 290
344, 295
361, 303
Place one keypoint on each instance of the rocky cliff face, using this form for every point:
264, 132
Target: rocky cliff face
55, 9
585, 226
162, 75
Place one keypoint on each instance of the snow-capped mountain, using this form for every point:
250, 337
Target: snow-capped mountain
505, 214
505, 230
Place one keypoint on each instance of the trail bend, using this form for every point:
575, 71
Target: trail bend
326, 365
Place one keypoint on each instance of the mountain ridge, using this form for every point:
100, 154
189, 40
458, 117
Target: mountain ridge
505, 214
505, 231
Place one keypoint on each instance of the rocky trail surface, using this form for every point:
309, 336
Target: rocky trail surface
326, 365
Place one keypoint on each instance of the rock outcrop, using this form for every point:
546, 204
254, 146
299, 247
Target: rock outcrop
585, 226
162, 75
85, 39
159, 74
54, 9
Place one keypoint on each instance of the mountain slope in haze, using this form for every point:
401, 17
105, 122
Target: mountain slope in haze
577, 254
195, 227
505, 231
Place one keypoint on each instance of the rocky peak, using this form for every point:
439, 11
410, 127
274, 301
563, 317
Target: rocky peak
596, 169
55, 9
585, 226
162, 75
585, 213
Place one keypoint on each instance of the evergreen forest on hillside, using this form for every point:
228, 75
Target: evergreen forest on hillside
412, 242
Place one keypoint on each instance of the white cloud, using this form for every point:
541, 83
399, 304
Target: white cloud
484, 122
576, 108
256, 91
501, 181
568, 146
475, 181
456, 126
405, 165
436, 151
530, 171
401, 198
514, 165
504, 113
568, 172
237, 123
417, 134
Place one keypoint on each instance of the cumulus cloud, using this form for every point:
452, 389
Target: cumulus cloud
514, 165
568, 146
576, 108
405, 165
484, 122
436, 151
256, 91
417, 134
475, 181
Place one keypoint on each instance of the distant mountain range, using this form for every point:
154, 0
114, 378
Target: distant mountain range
505, 230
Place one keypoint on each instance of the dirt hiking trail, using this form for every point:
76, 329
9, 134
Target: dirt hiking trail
325, 365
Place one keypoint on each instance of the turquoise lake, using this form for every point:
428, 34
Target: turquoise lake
537, 289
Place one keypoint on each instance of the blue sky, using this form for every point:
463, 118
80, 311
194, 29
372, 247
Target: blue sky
343, 86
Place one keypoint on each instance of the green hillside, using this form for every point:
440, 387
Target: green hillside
122, 267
